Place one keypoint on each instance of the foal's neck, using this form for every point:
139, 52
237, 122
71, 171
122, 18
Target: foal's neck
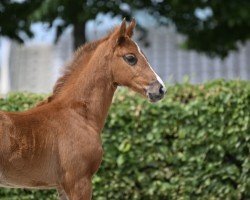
92, 92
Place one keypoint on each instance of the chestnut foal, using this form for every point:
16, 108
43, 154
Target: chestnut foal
58, 144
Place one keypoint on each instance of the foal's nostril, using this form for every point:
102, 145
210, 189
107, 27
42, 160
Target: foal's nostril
155, 91
162, 90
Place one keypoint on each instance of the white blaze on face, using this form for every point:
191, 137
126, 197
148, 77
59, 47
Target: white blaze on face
156, 75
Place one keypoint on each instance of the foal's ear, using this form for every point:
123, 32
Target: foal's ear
122, 32
130, 29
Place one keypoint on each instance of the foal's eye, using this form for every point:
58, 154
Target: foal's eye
130, 59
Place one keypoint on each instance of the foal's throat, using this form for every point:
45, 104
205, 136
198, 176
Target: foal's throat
92, 94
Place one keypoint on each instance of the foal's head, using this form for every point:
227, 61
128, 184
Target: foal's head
130, 66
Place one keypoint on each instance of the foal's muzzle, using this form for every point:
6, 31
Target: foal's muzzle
156, 91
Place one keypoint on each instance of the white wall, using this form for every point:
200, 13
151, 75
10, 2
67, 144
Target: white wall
173, 63
36, 66
4, 65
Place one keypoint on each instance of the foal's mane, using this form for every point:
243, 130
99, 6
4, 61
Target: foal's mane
67, 71
73, 66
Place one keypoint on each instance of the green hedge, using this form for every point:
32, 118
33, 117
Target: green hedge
193, 145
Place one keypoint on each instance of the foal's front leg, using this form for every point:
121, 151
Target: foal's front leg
80, 190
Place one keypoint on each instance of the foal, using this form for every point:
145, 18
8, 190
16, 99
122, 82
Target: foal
58, 144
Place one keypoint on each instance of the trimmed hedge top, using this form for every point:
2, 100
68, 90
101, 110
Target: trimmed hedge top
195, 144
